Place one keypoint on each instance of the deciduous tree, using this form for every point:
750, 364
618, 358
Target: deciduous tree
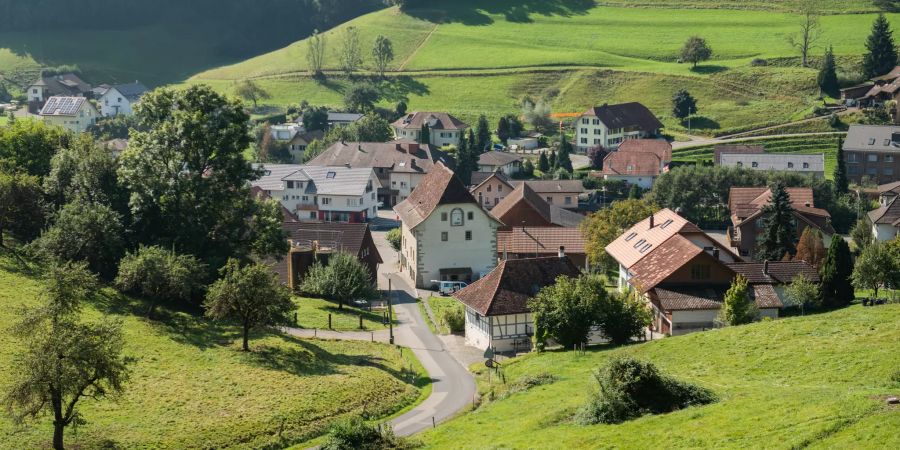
810, 29
372, 128
343, 279
251, 91
683, 104
568, 309
89, 232
382, 54
862, 234
315, 53
350, 53
876, 268
738, 308
361, 97
803, 293
251, 295
696, 50
315, 118
159, 275
28, 146
21, 206
604, 226
810, 248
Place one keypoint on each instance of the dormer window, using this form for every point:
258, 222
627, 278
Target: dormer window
871, 141
640, 243
331, 175
630, 237
666, 223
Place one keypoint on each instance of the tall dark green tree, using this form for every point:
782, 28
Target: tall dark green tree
21, 206
483, 135
425, 134
683, 104
544, 163
841, 184
777, 237
563, 159
836, 271
552, 160
503, 130
881, 53
828, 80
467, 158
28, 146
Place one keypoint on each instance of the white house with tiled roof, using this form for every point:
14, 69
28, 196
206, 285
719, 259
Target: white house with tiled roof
446, 234
72, 113
444, 129
608, 126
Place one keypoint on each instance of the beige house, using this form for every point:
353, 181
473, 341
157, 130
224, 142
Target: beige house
446, 235
608, 126
491, 190
562, 193
444, 129
75, 114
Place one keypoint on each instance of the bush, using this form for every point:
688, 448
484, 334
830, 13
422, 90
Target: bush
394, 238
455, 319
524, 384
759, 62
356, 434
629, 388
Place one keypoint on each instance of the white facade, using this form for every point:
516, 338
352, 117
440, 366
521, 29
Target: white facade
591, 132
644, 182
437, 138
523, 143
113, 103
813, 164
84, 117
327, 194
404, 183
504, 333
36, 93
456, 236
884, 232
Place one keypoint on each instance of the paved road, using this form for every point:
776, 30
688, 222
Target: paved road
453, 388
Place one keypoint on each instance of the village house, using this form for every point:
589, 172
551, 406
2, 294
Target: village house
400, 165
886, 219
744, 149
803, 164
446, 235
524, 207
873, 152
536, 242
62, 85
490, 188
608, 126
294, 138
443, 128
497, 313
496, 161
121, 99
340, 119
75, 114
683, 273
562, 193
321, 193
748, 219
316, 242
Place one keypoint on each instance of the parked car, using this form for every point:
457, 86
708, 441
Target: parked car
447, 288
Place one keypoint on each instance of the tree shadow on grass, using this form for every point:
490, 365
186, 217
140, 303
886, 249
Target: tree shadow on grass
478, 13
708, 69
700, 122
395, 89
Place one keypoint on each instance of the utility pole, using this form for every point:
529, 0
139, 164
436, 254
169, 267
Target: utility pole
390, 311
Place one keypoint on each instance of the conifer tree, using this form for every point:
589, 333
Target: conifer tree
738, 308
483, 139
552, 160
544, 163
563, 160
841, 185
503, 130
828, 80
836, 271
777, 238
881, 54
425, 135
466, 158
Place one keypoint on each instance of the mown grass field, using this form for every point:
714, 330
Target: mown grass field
313, 313
438, 306
808, 382
192, 387
472, 58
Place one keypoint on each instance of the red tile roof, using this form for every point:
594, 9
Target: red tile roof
625, 249
507, 289
709, 298
540, 240
440, 187
659, 147
662, 262
779, 272
524, 197
631, 164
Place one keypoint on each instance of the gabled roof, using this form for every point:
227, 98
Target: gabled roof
659, 147
479, 178
873, 138
638, 242
323, 180
745, 149
405, 156
261, 195
626, 115
889, 187
349, 237
344, 117
779, 272
696, 298
63, 84
497, 158
440, 187
63, 106
435, 121
631, 164
747, 204
890, 76
540, 240
131, 91
307, 137
887, 215
507, 289
663, 261
524, 196
553, 186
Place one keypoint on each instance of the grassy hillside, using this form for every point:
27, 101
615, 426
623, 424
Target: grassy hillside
830, 6
474, 57
192, 387
816, 381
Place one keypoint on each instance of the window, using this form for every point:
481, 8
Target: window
468, 235
305, 198
888, 171
584, 121
443, 217
852, 157
550, 200
871, 141
630, 237
872, 170
597, 131
596, 122
700, 272
312, 215
596, 141
889, 158
666, 223
584, 140
584, 131
470, 215
568, 200
34, 91
330, 175
873, 157
456, 218
444, 236
646, 247
755, 164
326, 201
740, 164
499, 188
790, 165
290, 184
806, 165
489, 188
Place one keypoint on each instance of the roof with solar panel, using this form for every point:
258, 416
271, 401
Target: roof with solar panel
63, 106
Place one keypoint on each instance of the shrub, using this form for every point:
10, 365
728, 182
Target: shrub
629, 388
394, 238
455, 319
526, 383
759, 62
356, 434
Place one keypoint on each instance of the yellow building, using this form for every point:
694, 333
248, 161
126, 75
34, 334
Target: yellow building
72, 113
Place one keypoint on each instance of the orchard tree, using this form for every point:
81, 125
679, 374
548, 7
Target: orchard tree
382, 54
810, 29
837, 270
62, 359
877, 267
881, 53
361, 97
315, 53
777, 237
85, 171
810, 248
159, 275
827, 79
21, 206
251, 91
343, 279
350, 53
738, 308
567, 310
29, 145
603, 227
696, 50
251, 295
803, 293
683, 105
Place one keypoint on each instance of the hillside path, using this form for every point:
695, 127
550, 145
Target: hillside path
418, 47
712, 141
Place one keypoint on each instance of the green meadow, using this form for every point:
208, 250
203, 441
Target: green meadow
818, 381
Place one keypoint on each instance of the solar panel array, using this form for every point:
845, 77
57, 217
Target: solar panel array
64, 106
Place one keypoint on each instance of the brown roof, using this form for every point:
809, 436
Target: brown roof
744, 201
524, 197
507, 289
631, 164
625, 248
780, 272
479, 178
892, 75
440, 187
349, 237
540, 240
398, 156
307, 137
766, 297
626, 115
696, 298
62, 84
435, 120
890, 187
497, 158
886, 215
659, 147
662, 262
743, 149
553, 186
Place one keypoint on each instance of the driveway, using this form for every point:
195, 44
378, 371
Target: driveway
453, 388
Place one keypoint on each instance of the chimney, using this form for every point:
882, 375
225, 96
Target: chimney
766, 268
399, 147
413, 147
347, 165
562, 252
652, 221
